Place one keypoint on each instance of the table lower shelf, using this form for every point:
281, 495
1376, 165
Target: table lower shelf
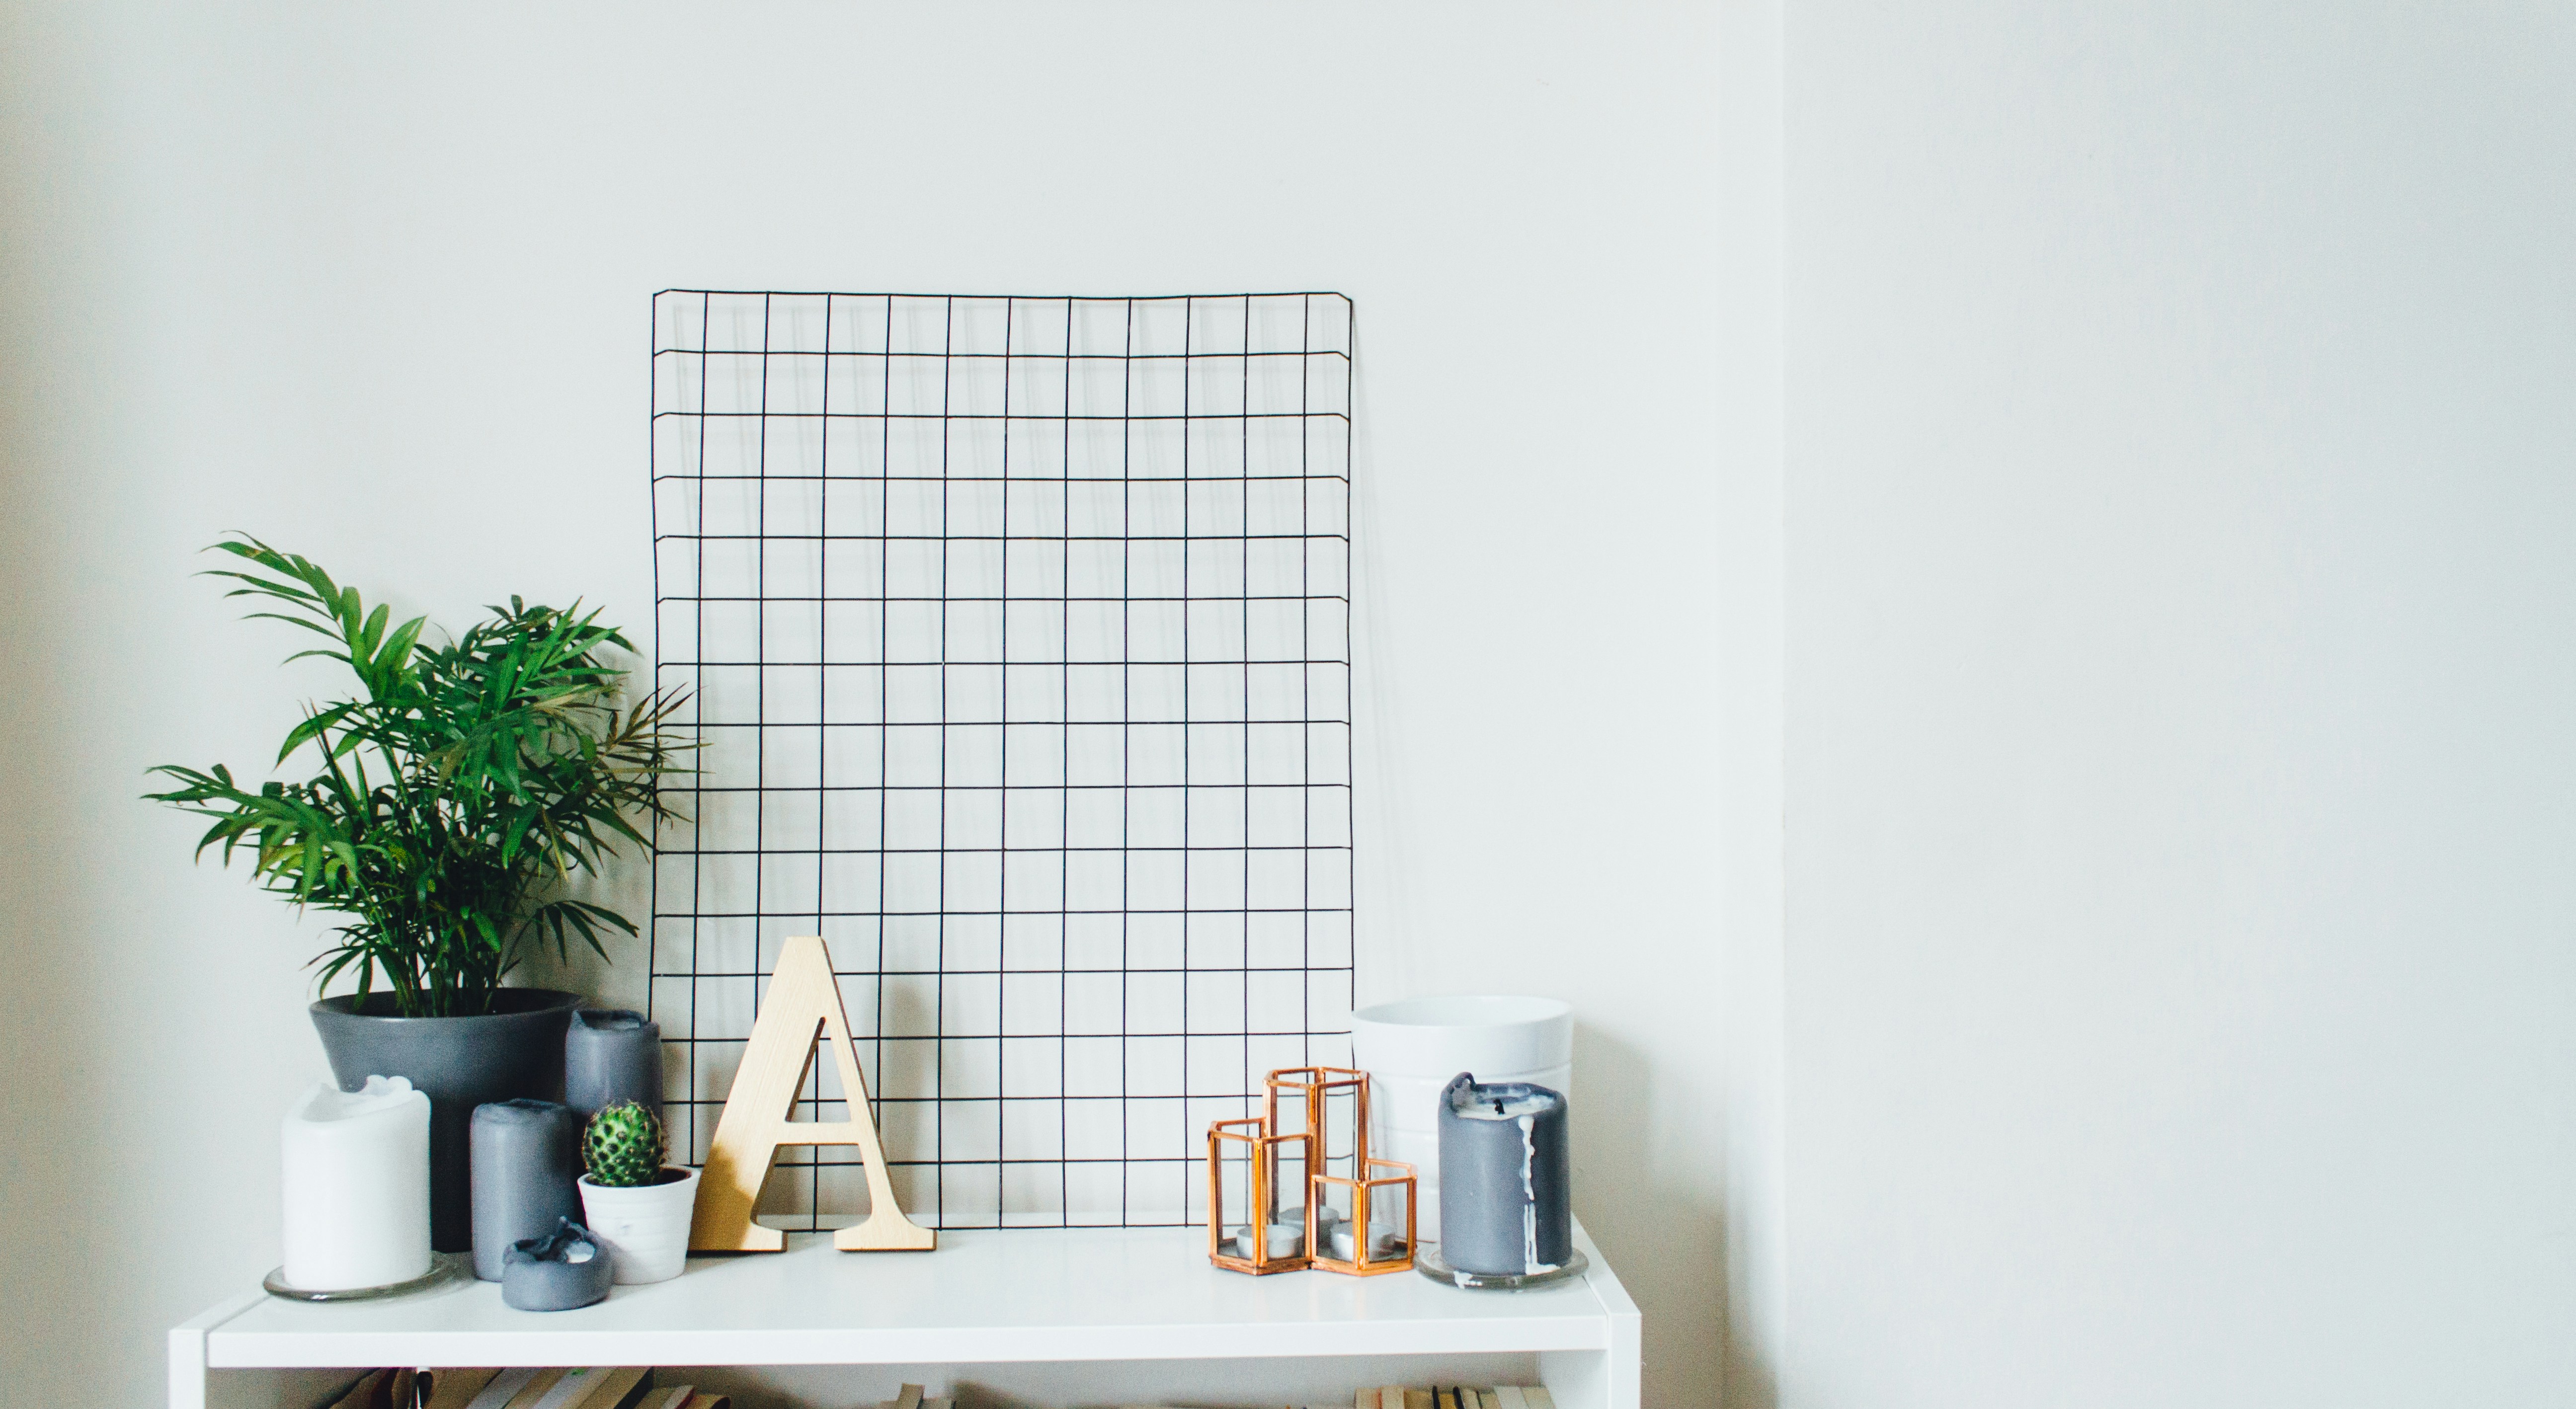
1033, 1296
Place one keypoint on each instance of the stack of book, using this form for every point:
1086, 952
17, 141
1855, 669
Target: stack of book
523, 1387
1455, 1397
631, 1387
1437, 1397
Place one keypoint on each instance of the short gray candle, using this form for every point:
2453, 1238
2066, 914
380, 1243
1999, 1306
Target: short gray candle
563, 1270
526, 1155
1505, 1178
612, 1055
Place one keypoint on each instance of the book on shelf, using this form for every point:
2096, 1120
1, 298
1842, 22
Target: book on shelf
596, 1387
453, 1387
370, 1390
518, 1387
395, 1387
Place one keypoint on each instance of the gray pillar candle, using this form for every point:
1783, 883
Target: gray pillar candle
1505, 1178
612, 1055
526, 1155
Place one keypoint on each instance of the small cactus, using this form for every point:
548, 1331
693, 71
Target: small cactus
623, 1146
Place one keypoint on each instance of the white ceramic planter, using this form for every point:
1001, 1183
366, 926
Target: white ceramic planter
1412, 1048
646, 1229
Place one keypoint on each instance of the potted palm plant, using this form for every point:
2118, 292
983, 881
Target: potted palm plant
448, 799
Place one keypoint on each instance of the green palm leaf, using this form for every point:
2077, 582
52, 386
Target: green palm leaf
465, 778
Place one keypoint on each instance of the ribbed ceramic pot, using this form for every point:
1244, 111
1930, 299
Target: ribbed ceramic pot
516, 1050
1411, 1050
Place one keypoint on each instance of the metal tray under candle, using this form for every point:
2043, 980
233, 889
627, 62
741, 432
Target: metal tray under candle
443, 1267
1426, 1260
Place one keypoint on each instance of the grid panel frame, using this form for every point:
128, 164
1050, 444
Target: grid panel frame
1017, 631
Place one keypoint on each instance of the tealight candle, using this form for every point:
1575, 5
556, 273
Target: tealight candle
1383, 1243
1327, 1218
1286, 1240
356, 1180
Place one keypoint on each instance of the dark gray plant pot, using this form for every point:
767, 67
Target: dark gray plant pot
516, 1050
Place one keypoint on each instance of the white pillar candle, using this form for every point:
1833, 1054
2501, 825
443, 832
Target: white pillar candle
357, 1186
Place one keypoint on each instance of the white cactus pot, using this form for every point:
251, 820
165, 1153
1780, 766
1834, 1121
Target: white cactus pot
645, 1229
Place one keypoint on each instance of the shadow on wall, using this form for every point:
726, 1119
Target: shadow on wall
1666, 1238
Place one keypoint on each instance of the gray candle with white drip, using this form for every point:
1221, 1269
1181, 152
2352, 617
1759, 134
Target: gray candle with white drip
1506, 1178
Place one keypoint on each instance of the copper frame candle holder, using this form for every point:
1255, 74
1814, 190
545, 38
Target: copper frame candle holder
1301, 1099
1252, 1141
1384, 1176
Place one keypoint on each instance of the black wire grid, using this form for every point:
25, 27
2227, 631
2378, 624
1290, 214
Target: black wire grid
1017, 632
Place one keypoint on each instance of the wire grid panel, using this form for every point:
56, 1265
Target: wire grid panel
1017, 635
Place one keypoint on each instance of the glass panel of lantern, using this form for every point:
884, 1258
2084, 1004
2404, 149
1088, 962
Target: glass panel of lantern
1331, 1103
1374, 1231
1257, 1197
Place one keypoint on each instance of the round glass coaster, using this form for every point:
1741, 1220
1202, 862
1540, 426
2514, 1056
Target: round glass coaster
443, 1267
1427, 1261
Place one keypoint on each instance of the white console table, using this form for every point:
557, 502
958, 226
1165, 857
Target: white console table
1006, 1304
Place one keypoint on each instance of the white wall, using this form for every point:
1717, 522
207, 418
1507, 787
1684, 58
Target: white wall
2175, 418
2182, 715
372, 282
1747, 724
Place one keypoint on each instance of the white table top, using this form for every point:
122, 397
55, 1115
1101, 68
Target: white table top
1021, 1294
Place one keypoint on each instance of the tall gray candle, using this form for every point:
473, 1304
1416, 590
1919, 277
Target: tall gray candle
526, 1155
1505, 1178
612, 1055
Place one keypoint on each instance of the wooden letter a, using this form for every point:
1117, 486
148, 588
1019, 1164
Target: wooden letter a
803, 1001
